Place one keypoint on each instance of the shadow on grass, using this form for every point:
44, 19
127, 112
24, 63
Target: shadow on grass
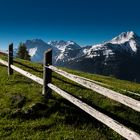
21, 82
3, 65
70, 83
43, 127
29, 67
72, 115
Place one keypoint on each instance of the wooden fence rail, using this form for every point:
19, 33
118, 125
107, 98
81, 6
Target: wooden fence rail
113, 124
130, 102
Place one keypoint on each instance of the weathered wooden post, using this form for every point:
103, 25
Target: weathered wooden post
47, 73
10, 59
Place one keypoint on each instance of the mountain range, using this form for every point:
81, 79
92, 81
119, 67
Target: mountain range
119, 57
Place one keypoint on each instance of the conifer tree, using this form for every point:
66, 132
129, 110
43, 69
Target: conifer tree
22, 52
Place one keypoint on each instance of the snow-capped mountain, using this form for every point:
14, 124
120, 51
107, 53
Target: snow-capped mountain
63, 45
62, 50
128, 42
67, 51
119, 56
115, 57
124, 37
36, 48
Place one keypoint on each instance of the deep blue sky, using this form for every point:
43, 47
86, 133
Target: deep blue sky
84, 21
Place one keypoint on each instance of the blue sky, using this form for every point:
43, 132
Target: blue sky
83, 21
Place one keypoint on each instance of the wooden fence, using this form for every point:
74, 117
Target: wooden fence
48, 87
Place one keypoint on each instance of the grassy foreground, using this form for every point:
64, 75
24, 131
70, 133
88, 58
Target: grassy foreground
26, 114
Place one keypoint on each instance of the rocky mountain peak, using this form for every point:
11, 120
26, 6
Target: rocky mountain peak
124, 37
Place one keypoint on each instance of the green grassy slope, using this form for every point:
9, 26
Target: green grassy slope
56, 118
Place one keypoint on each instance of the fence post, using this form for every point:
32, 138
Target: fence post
10, 59
47, 73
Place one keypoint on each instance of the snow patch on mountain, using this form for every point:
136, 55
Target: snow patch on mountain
129, 37
133, 45
63, 45
98, 50
123, 37
36, 49
32, 51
